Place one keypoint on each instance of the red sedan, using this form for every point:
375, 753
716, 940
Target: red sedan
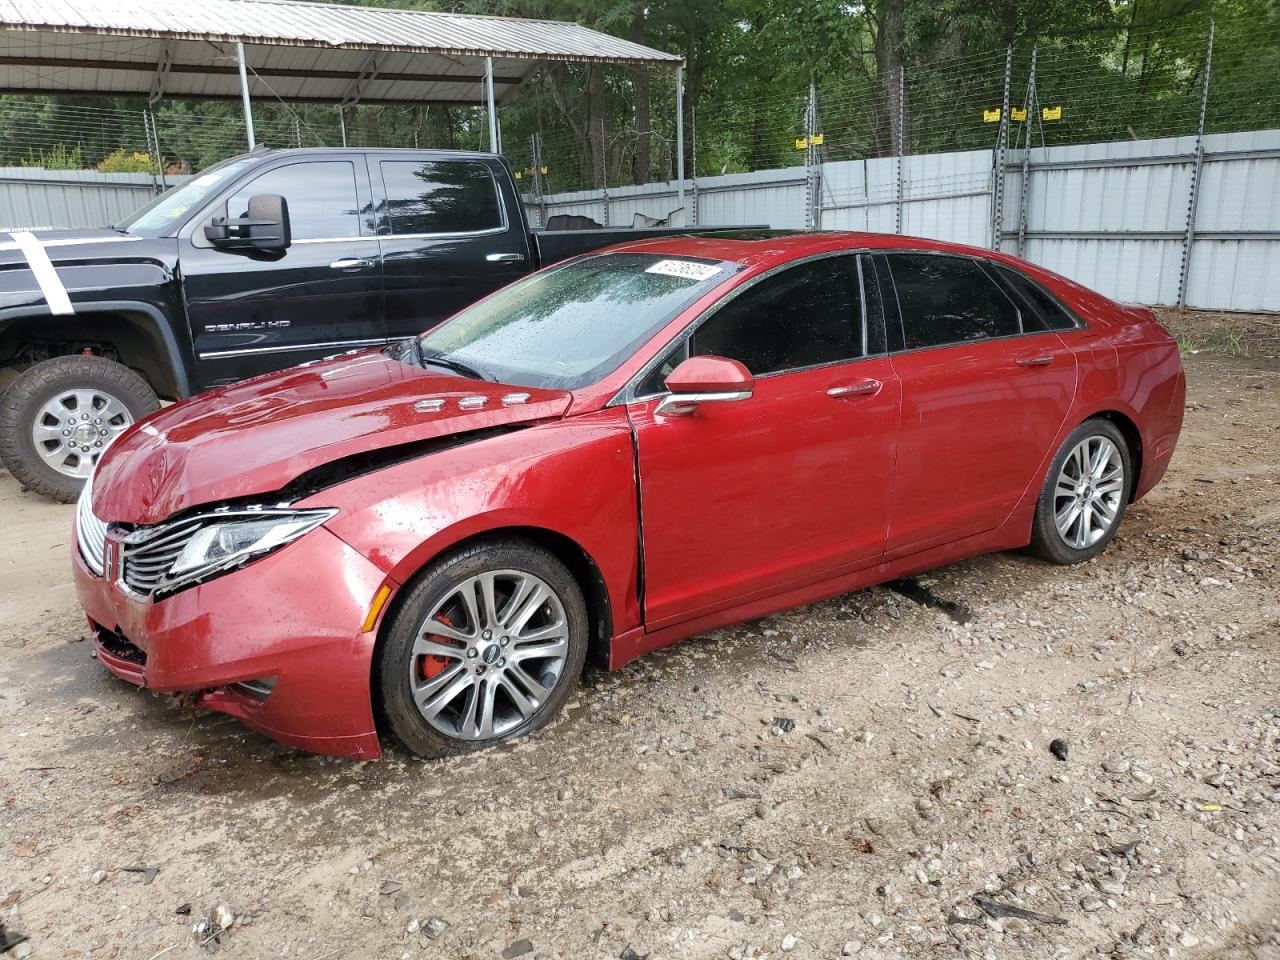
604, 458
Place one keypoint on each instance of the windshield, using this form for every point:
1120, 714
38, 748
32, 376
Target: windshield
163, 215
569, 326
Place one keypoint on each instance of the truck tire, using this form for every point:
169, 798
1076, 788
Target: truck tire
59, 415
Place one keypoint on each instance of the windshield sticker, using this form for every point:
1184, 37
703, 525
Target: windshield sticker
684, 269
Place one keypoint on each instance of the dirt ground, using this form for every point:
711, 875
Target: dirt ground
848, 778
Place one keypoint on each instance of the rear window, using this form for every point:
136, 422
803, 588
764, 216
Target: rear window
945, 300
1042, 311
445, 196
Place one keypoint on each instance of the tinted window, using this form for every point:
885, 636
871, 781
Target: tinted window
1041, 311
804, 316
449, 196
570, 325
321, 197
949, 300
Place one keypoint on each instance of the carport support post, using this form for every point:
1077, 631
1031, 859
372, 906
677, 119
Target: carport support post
493, 114
1189, 237
244, 95
680, 135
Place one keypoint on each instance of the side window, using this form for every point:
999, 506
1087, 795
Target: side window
804, 316
321, 197
1042, 311
949, 300
448, 196
653, 383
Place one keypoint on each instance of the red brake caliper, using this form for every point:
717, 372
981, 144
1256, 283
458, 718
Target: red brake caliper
433, 664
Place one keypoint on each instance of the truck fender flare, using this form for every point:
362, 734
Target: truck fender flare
154, 324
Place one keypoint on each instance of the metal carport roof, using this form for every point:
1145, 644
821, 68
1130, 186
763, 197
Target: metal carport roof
296, 51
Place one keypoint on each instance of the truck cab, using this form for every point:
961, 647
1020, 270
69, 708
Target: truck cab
261, 262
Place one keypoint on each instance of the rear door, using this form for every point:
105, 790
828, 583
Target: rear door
450, 234
749, 498
251, 311
985, 391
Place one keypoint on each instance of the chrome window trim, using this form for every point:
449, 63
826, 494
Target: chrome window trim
462, 235
504, 223
626, 395
291, 348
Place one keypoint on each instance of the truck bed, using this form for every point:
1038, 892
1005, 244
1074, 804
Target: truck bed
552, 246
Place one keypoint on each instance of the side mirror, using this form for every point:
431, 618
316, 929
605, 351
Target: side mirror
700, 380
265, 227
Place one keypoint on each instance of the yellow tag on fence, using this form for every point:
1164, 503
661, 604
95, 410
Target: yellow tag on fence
991, 116
1018, 114
543, 170
801, 143
517, 174
816, 140
1051, 113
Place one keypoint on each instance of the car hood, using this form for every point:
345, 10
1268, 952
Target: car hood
254, 437
81, 244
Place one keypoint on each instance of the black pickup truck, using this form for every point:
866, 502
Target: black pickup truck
261, 262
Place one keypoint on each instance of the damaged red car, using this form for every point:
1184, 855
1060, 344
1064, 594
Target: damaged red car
633, 447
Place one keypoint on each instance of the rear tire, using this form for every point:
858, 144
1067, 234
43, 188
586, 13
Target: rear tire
458, 674
1084, 495
58, 416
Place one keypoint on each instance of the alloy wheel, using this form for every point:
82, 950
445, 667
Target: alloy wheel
487, 657
1087, 495
73, 428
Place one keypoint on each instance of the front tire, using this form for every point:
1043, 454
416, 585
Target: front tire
486, 648
1084, 495
60, 414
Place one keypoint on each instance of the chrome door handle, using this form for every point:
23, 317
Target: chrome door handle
505, 257
351, 263
1039, 360
855, 389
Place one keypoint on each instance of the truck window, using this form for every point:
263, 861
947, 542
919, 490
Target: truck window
321, 197
445, 196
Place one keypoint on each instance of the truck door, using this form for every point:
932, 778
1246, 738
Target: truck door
251, 312
451, 232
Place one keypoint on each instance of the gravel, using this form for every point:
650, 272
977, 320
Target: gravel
669, 809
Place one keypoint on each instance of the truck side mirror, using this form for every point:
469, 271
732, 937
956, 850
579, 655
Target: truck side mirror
264, 227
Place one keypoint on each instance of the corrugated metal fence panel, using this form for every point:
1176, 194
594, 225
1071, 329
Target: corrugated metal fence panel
947, 196
32, 198
1236, 196
768, 197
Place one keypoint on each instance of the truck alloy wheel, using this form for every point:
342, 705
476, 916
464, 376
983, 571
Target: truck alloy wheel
59, 416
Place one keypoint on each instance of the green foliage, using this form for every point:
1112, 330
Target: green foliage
125, 161
1118, 69
58, 157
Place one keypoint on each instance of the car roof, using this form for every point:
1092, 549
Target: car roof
764, 248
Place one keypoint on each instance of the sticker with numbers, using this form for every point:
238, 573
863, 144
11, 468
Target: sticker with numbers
684, 269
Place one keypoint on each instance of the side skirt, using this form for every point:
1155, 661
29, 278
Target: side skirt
1012, 534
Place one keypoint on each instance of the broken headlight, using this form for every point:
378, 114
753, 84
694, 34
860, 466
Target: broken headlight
173, 555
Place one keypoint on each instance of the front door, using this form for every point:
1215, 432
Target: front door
748, 498
984, 394
251, 312
445, 239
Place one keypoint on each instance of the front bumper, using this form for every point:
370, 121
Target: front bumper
294, 615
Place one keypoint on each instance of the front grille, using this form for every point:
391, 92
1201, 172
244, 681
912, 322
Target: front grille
146, 563
90, 531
